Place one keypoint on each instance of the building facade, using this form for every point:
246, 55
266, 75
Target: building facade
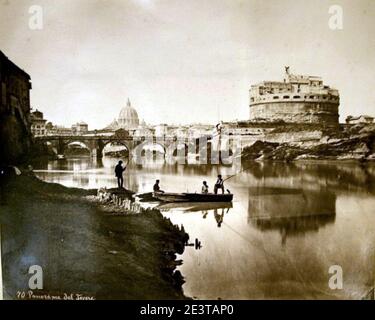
15, 128
38, 124
62, 131
297, 99
80, 128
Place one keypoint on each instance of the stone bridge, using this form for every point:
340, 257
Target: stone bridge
171, 145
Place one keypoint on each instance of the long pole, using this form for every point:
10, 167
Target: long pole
230, 177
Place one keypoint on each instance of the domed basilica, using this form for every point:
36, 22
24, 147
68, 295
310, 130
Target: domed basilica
128, 119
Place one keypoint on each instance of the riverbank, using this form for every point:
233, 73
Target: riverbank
350, 143
82, 249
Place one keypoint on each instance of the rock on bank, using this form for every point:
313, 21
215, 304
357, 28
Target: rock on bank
352, 143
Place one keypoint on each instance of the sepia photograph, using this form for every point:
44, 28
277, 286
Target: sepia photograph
201, 150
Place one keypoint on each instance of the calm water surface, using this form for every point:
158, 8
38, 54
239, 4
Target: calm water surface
287, 225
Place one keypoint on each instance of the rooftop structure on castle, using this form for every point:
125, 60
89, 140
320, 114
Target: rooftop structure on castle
297, 99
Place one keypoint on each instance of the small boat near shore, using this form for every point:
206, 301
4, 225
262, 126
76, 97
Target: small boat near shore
192, 197
194, 206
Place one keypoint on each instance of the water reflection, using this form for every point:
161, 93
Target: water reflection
287, 225
292, 212
219, 216
218, 210
353, 177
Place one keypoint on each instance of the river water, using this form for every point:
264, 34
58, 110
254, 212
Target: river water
288, 225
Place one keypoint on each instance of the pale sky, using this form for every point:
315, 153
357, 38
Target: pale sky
184, 61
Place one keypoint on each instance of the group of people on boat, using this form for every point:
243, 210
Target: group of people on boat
120, 169
219, 185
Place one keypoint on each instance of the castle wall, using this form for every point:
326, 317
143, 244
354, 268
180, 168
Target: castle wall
296, 112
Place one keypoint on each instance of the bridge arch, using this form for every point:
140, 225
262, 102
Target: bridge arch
103, 144
76, 142
59, 145
137, 145
139, 150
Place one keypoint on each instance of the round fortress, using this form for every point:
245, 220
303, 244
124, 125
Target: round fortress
298, 99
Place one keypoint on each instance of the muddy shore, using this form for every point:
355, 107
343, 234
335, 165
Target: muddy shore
84, 251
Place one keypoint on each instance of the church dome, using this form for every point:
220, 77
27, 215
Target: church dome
128, 118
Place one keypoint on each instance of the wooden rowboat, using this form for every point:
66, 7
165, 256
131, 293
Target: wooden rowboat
193, 206
192, 197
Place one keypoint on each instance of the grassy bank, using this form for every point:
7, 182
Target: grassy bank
81, 249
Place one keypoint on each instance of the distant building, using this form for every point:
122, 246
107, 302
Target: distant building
196, 131
187, 131
80, 128
298, 99
62, 131
161, 130
179, 131
49, 128
113, 126
128, 119
38, 124
56, 130
143, 130
15, 126
363, 119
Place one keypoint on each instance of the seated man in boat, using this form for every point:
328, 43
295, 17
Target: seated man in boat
157, 187
219, 184
205, 187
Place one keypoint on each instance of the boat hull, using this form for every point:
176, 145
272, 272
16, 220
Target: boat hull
193, 197
194, 206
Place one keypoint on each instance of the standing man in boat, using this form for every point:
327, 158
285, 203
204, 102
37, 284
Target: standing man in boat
219, 184
119, 170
